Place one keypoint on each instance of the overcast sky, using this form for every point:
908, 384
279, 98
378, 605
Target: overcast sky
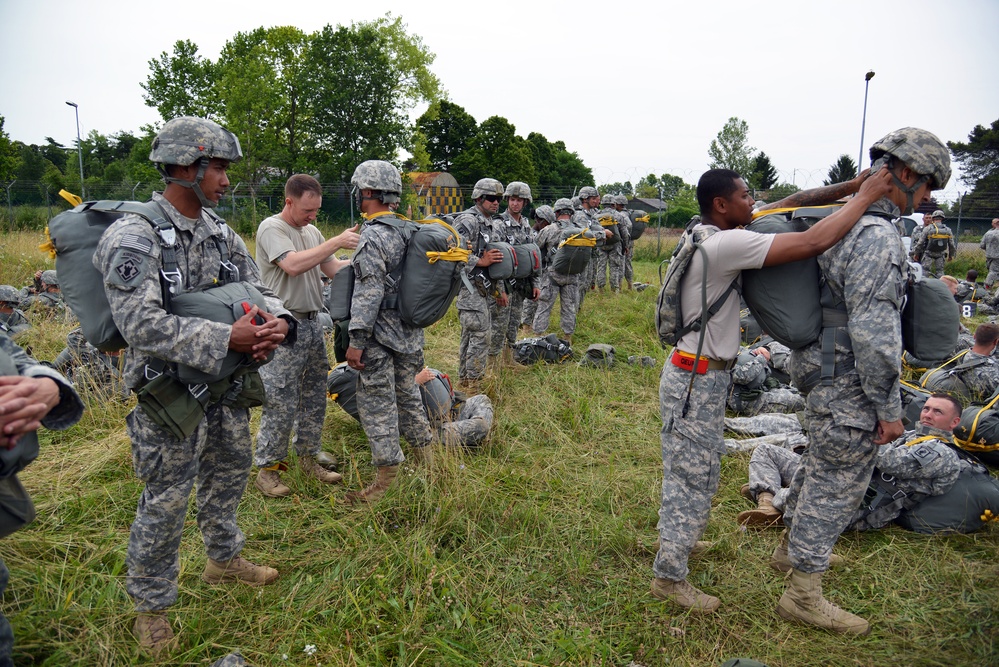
632, 86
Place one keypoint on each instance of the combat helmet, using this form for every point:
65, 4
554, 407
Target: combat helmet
10, 295
518, 189
922, 152
487, 186
563, 205
546, 212
621, 200
607, 200
380, 176
187, 140
588, 191
938, 214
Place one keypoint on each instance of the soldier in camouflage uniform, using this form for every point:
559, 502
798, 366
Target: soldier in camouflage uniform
515, 230
973, 377
85, 364
755, 390
12, 319
531, 305
693, 408
935, 246
612, 253
386, 350
556, 285
476, 226
585, 218
192, 154
921, 463
35, 396
293, 256
49, 298
861, 408
628, 272
990, 244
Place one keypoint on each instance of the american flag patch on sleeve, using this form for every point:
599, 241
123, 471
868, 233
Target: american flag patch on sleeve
138, 243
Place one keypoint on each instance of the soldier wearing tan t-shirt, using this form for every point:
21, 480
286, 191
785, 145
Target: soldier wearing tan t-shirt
293, 256
693, 415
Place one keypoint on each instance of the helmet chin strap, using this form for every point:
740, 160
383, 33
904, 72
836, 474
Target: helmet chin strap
909, 191
194, 185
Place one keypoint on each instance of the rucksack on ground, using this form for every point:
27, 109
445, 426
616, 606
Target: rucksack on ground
549, 349
598, 355
969, 505
575, 248
978, 431
669, 317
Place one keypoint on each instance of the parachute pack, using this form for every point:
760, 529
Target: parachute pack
913, 400
639, 221
429, 276
978, 431
519, 261
936, 240
669, 317
608, 221
968, 506
792, 305
949, 377
575, 248
550, 349
437, 393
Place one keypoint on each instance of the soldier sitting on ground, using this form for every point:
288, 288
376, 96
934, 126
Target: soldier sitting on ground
12, 319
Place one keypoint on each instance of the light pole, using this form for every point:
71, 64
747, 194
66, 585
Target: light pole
79, 146
863, 123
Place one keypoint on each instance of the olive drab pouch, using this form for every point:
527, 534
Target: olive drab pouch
243, 389
341, 340
16, 508
528, 260
506, 267
574, 251
173, 405
341, 294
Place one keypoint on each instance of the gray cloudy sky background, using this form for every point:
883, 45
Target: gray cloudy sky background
634, 87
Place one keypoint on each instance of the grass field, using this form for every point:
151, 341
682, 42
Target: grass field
534, 550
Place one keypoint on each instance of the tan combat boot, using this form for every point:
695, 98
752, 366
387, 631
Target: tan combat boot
685, 595
508, 361
310, 466
384, 477
802, 602
746, 493
470, 387
700, 546
424, 456
269, 483
238, 570
764, 516
780, 561
152, 629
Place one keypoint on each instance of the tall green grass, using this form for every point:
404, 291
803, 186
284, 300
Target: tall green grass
535, 549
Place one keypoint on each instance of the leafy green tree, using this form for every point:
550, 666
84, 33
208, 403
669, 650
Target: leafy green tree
447, 128
979, 160
410, 61
842, 170
182, 84
496, 152
764, 175
625, 188
350, 113
557, 166
9, 155
731, 149
668, 185
782, 190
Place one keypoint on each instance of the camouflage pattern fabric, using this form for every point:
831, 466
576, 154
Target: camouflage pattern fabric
585, 219
217, 458
519, 295
295, 382
231, 660
981, 378
627, 272
529, 307
470, 424
990, 244
14, 322
792, 441
389, 403
217, 455
692, 447
770, 470
473, 305
566, 289
85, 364
931, 259
763, 424
780, 399
867, 270
49, 303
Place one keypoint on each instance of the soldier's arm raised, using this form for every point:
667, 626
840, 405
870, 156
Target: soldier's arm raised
817, 196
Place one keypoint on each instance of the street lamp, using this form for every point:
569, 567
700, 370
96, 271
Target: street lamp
79, 146
863, 123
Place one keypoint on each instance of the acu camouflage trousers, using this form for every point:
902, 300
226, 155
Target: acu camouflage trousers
566, 289
612, 257
216, 458
471, 425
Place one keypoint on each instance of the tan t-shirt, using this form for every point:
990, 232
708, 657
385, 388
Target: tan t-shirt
275, 239
729, 252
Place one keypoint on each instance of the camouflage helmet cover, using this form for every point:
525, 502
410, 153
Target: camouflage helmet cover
621, 200
380, 176
487, 186
546, 212
518, 189
576, 203
921, 151
563, 204
50, 277
607, 200
939, 214
9, 294
588, 191
186, 139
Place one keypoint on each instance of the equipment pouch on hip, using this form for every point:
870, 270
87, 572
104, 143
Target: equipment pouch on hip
242, 390
175, 406
16, 508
